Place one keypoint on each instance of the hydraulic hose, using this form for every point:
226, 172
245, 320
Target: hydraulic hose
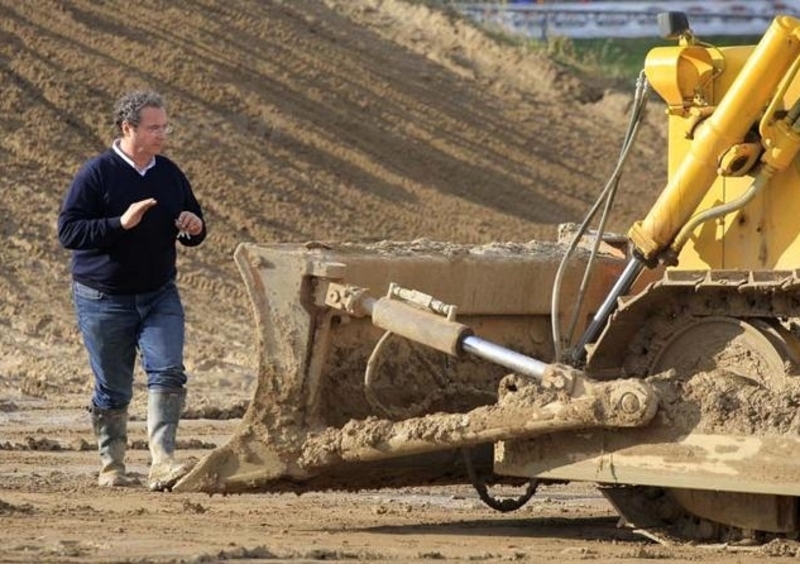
606, 199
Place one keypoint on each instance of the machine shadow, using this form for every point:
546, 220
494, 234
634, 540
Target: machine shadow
577, 528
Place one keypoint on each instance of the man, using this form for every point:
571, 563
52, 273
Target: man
121, 218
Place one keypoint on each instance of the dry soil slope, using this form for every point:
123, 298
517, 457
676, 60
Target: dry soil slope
295, 120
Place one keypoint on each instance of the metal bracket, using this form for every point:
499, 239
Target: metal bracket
422, 300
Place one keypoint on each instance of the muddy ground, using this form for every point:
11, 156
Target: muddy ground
302, 120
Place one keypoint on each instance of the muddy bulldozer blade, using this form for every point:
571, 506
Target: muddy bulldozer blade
342, 403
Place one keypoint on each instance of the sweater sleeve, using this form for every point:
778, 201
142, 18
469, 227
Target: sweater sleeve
81, 221
191, 204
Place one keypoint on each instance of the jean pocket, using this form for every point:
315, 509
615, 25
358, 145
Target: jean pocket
83, 291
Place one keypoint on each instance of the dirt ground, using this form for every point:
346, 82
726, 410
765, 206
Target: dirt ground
296, 121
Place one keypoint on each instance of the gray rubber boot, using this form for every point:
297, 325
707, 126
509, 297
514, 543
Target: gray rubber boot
163, 415
111, 430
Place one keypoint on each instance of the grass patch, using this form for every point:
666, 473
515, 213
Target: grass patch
618, 58
621, 58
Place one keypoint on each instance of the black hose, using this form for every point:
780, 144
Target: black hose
502, 505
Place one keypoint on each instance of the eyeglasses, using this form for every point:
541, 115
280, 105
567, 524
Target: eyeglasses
156, 129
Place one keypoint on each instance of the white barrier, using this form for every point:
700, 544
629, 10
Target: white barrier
627, 19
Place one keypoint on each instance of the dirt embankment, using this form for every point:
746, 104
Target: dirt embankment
302, 120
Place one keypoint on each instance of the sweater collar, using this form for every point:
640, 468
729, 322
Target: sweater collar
128, 160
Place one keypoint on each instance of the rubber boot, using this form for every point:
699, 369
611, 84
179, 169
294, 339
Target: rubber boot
163, 414
111, 429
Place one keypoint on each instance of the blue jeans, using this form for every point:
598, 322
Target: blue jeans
114, 327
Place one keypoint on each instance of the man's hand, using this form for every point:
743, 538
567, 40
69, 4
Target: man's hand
135, 212
189, 223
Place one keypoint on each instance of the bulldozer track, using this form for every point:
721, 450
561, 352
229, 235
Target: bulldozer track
643, 321
676, 317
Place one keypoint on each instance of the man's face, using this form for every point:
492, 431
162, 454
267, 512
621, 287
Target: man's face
147, 139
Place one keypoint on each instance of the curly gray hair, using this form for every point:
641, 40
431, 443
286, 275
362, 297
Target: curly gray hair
129, 107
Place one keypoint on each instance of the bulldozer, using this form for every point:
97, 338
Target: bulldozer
658, 365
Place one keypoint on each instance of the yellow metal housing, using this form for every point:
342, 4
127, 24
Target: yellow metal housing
715, 102
681, 75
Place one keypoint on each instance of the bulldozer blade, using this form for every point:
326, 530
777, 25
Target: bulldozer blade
312, 358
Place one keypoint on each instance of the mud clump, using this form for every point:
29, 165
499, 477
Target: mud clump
217, 412
717, 402
9, 509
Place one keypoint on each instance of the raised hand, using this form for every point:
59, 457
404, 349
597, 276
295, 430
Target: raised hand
135, 212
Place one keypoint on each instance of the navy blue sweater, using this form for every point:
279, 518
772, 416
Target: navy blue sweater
105, 256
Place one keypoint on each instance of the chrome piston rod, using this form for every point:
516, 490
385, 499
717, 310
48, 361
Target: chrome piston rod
518, 363
422, 326
623, 285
